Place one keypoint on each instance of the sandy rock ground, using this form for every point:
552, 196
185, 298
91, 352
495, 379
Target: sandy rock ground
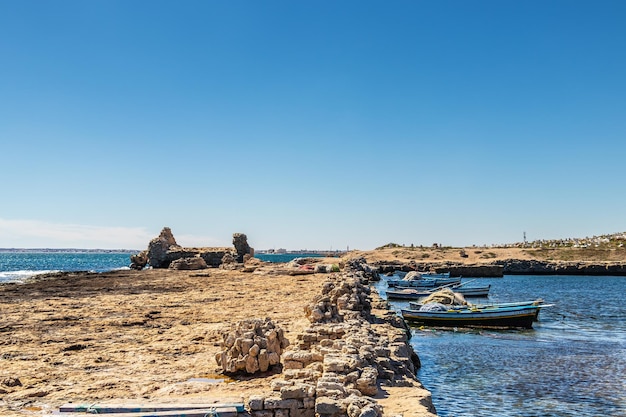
142, 336
151, 334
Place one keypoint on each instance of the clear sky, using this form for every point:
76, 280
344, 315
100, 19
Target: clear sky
311, 124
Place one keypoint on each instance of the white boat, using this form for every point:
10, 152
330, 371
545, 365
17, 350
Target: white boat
416, 279
416, 293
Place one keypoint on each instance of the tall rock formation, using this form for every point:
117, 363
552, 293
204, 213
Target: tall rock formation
240, 241
159, 247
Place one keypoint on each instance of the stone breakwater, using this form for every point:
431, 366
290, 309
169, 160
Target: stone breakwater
348, 359
533, 267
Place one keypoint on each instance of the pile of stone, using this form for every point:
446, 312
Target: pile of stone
361, 268
251, 346
164, 252
341, 298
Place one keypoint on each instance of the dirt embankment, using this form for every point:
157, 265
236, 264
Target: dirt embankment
488, 255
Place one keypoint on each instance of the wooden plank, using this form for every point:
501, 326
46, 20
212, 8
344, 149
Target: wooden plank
201, 412
143, 407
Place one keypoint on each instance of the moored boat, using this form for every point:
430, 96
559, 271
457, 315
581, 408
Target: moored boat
423, 280
403, 274
416, 305
514, 316
416, 293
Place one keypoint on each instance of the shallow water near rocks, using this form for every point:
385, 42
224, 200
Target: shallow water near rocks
572, 363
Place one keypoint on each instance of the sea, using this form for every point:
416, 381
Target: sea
571, 363
18, 265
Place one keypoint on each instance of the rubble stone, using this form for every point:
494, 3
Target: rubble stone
241, 346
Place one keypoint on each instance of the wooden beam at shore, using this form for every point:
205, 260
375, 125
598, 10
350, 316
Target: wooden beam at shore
201, 412
140, 410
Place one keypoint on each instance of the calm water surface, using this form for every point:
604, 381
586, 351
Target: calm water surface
572, 363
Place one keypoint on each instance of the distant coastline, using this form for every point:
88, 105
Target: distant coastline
66, 250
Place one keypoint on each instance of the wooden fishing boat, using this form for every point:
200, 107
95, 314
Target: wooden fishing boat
423, 279
416, 293
423, 282
514, 316
228, 409
416, 305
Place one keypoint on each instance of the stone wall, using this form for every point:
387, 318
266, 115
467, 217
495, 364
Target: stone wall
477, 271
339, 363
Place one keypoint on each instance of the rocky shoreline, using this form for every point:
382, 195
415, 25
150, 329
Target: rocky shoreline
500, 268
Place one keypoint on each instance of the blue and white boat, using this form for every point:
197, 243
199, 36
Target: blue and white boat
404, 293
416, 279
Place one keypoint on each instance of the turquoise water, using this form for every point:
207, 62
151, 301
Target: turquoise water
572, 363
17, 266
284, 257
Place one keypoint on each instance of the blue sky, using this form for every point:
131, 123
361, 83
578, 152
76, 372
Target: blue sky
316, 125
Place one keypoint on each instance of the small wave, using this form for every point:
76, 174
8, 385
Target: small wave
20, 276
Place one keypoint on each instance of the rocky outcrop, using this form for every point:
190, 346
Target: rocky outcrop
163, 252
193, 263
160, 248
240, 242
498, 269
139, 261
338, 364
455, 269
